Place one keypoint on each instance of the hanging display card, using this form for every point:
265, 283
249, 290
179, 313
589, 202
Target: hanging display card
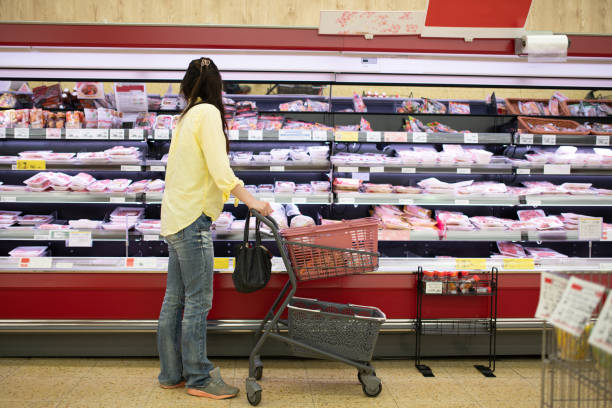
576, 306
601, 335
131, 97
551, 289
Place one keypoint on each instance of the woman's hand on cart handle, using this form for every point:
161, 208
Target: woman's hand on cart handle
262, 207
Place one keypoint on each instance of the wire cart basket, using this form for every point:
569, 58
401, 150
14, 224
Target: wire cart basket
341, 332
576, 374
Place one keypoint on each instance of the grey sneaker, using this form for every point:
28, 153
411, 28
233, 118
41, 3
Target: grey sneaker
216, 388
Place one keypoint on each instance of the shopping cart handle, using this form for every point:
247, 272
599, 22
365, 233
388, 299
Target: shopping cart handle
269, 221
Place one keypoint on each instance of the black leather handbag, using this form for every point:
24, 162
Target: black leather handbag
253, 262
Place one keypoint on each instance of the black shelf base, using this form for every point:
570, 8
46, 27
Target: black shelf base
484, 370
425, 370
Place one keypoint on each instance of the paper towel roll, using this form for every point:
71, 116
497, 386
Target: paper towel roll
545, 45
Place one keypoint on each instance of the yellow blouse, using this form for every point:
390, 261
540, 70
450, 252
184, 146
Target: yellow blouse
198, 174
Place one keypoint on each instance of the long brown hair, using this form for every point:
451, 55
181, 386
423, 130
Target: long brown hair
202, 80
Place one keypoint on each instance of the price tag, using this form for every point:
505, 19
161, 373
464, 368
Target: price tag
526, 139
523, 171
223, 264
2, 133
255, 135
73, 134
557, 169
277, 168
346, 200
59, 235
462, 202
40, 262
150, 237
419, 137
158, 168
294, 134
98, 134
162, 134
21, 133
141, 262
464, 170
409, 170
373, 136
64, 265
346, 136
117, 134
549, 139
343, 169
433, 288
23, 164
533, 201
551, 289
601, 335
319, 135
576, 305
41, 236
396, 137
53, 133
234, 135
136, 134
405, 201
589, 228
472, 264
116, 199
8, 199
298, 200
377, 169
470, 138
519, 263
126, 167
79, 239
602, 140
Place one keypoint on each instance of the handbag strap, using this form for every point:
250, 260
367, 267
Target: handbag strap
257, 230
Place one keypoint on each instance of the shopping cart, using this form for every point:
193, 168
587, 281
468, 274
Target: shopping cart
341, 332
576, 374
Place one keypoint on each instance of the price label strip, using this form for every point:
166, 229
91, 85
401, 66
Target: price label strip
346, 136
141, 263
590, 228
526, 139
518, 264
471, 264
39, 262
224, 264
433, 288
79, 239
396, 137
551, 289
23, 164
576, 305
373, 136
294, 134
601, 335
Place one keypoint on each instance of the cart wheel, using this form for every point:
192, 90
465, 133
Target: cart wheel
254, 398
372, 392
258, 372
360, 374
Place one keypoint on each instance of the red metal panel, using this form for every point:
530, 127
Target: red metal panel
139, 296
477, 13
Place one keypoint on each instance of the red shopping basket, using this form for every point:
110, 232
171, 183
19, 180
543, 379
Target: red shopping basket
326, 251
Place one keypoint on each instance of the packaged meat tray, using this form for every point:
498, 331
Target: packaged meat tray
346, 184
9, 215
149, 226
92, 157
284, 187
60, 179
416, 211
320, 186
488, 223
34, 154
511, 249
29, 251
406, 190
130, 213
138, 186
99, 186
118, 226
121, 152
119, 185
377, 188
32, 219
81, 181
546, 223
53, 227
59, 157
224, 221
526, 215
453, 218
156, 185
540, 253
303, 189
84, 224
38, 180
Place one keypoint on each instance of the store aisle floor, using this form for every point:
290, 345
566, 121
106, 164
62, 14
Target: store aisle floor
132, 382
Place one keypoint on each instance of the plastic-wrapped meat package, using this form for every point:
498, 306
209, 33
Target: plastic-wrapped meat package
428, 157
453, 218
84, 224
265, 188
92, 157
302, 221
320, 186
34, 154
119, 185
483, 187
377, 188
139, 186
242, 157
394, 222
299, 154
224, 221
526, 215
6, 216
346, 184
123, 153
163, 122
245, 123
263, 157
521, 225
576, 186
419, 223
32, 219
278, 213
406, 190
480, 156
511, 249
284, 187
8, 159
385, 209
543, 187
539, 253
29, 251
538, 157
280, 154
118, 226
251, 188
58, 156
99, 186
60, 179
39, 180
303, 189
149, 226
318, 152
604, 191
373, 158
572, 218
81, 181
416, 211
546, 223
293, 106
452, 148
129, 214
53, 227
409, 156
488, 223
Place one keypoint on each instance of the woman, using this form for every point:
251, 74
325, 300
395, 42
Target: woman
199, 181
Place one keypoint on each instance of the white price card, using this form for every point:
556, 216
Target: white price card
551, 289
59, 235
141, 262
136, 134
127, 167
405, 201
278, 265
255, 135
116, 199
433, 288
150, 237
590, 228
234, 134
319, 135
44, 236
523, 171
162, 134
79, 239
41, 262
601, 335
602, 140
534, 201
409, 170
96, 134
158, 168
419, 137
344, 169
373, 136
526, 139
378, 169
298, 200
396, 137
117, 134
576, 305
73, 134
470, 138
464, 170
64, 265
53, 133
21, 133
557, 169
462, 202
346, 200
8, 199
2, 133
549, 139
294, 134
277, 168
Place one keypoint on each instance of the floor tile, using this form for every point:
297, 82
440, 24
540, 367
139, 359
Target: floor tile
430, 389
160, 398
47, 388
411, 403
116, 367
122, 391
9, 365
29, 404
55, 367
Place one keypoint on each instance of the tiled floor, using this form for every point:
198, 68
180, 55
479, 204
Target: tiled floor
112, 382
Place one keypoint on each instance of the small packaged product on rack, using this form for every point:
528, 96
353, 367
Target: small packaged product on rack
224, 221
511, 249
145, 120
347, 184
540, 253
358, 103
29, 251
84, 224
284, 187
99, 186
81, 181
147, 226
293, 106
74, 119
459, 108
32, 219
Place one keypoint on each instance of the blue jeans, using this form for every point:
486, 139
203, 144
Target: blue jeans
181, 331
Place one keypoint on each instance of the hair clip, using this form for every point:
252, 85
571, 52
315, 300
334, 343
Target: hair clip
204, 63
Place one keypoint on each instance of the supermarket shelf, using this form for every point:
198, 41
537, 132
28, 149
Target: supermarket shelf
426, 199
73, 134
561, 140
123, 166
46, 235
422, 137
282, 135
69, 197
293, 198
525, 168
495, 167
286, 166
554, 200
